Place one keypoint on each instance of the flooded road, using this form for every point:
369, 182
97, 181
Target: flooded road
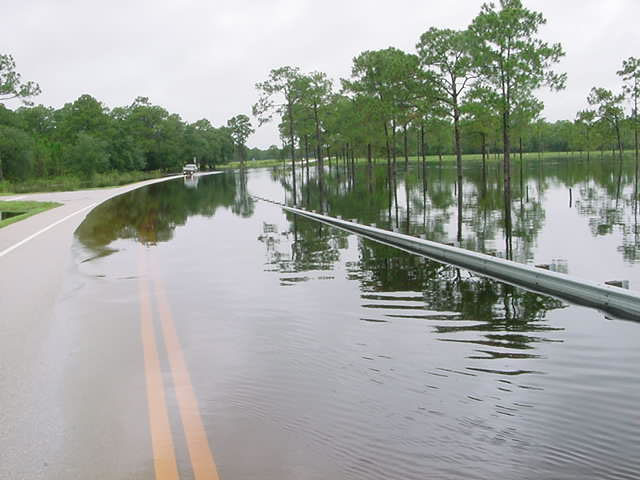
300, 351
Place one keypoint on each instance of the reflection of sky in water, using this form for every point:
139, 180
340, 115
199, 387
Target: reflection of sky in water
333, 356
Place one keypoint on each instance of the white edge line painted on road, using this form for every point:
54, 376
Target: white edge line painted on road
40, 232
13, 199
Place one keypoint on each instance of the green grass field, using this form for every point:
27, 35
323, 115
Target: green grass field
68, 183
26, 209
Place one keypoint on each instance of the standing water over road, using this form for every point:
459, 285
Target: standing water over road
315, 354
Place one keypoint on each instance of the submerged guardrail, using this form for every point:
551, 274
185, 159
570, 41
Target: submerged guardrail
613, 300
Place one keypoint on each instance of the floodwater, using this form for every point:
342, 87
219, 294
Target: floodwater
315, 354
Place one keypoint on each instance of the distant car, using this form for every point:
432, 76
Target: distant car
189, 169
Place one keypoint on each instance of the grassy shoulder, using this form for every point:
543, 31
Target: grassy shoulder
67, 183
24, 209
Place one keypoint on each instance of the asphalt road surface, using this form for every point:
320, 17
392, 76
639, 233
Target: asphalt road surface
54, 417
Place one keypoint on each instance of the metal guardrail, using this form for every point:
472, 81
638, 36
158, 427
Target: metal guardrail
613, 300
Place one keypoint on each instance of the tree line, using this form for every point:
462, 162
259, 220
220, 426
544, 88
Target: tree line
84, 137
461, 91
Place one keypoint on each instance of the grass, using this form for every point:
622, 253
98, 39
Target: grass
67, 183
28, 209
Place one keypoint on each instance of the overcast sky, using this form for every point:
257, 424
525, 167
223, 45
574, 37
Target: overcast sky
202, 58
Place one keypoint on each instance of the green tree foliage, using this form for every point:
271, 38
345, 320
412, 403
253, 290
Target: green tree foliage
512, 61
585, 123
88, 155
11, 83
445, 55
16, 153
85, 137
315, 97
240, 128
279, 94
390, 78
630, 74
608, 109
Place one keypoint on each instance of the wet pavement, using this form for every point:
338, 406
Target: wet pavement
35, 255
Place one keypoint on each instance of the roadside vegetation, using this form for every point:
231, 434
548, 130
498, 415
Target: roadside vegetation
24, 209
70, 182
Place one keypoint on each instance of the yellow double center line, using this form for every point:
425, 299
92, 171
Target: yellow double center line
164, 458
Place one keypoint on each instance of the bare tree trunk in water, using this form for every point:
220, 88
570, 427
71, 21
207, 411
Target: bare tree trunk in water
635, 131
343, 156
406, 149
456, 133
484, 163
423, 150
507, 171
406, 191
293, 150
620, 168
306, 155
353, 166
521, 173
520, 138
395, 170
389, 174
369, 167
319, 159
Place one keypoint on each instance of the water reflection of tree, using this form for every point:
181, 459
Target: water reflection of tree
151, 214
503, 315
495, 316
307, 245
243, 203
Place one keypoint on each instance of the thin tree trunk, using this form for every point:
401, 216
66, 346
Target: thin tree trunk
507, 171
353, 166
306, 154
293, 150
520, 138
389, 179
456, 132
423, 151
319, 159
369, 167
394, 169
620, 168
635, 131
406, 149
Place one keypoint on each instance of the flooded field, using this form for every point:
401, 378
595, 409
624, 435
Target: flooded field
315, 354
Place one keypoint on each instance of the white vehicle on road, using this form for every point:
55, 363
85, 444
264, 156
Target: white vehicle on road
190, 169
